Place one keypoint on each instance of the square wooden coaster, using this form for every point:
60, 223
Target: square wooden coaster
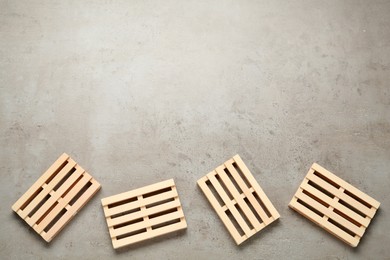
56, 197
238, 199
334, 204
143, 213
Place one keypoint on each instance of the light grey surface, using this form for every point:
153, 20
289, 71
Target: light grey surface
141, 91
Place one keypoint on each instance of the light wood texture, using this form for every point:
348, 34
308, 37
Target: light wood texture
334, 204
143, 213
238, 199
56, 197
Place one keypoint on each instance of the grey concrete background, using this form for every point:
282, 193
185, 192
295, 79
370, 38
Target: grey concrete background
141, 91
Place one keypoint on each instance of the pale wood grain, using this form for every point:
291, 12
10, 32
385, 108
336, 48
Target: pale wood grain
59, 199
140, 225
256, 219
316, 191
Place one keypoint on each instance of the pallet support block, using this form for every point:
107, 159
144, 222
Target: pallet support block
143, 213
334, 204
238, 199
56, 197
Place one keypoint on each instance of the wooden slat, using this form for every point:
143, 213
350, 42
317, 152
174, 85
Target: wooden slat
353, 241
143, 224
136, 204
140, 214
221, 213
47, 188
249, 222
47, 211
329, 213
72, 211
374, 203
342, 196
335, 204
230, 205
18, 204
141, 221
248, 193
256, 186
147, 235
137, 192
63, 203
56, 196
350, 226
239, 199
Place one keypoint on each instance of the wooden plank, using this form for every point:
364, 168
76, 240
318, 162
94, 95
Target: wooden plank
25, 197
62, 204
137, 192
46, 211
338, 219
56, 196
47, 188
136, 204
353, 241
73, 210
245, 216
374, 203
335, 204
239, 199
220, 212
140, 214
256, 186
248, 192
342, 196
146, 222
147, 235
329, 213
230, 205
149, 223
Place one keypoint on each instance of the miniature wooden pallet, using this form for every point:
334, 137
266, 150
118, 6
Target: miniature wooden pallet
56, 197
334, 204
238, 199
143, 213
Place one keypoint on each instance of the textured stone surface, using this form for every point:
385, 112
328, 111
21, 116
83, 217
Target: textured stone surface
142, 91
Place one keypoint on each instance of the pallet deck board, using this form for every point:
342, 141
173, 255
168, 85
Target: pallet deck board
334, 204
55, 198
238, 199
143, 213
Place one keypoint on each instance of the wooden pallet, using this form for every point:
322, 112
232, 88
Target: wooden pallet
334, 204
143, 213
238, 199
56, 197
